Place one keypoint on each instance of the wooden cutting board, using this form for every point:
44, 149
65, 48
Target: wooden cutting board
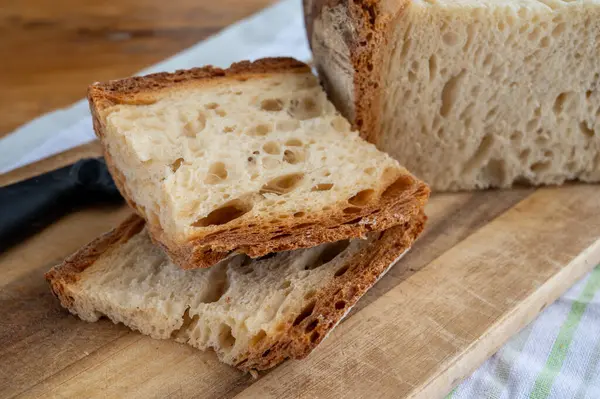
487, 264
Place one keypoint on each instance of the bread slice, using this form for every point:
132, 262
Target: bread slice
253, 159
253, 313
468, 94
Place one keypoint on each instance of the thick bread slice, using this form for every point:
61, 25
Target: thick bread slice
252, 159
253, 313
468, 94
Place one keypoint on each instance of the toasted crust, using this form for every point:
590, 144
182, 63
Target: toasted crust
404, 196
297, 337
69, 270
364, 32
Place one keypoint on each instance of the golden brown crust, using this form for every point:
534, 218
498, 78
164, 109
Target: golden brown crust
404, 199
68, 272
371, 22
302, 334
297, 336
141, 89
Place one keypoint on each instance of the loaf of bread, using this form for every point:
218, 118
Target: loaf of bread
468, 94
253, 313
253, 159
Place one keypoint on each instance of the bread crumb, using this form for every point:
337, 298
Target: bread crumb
254, 374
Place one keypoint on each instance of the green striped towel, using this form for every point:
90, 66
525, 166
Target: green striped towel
556, 356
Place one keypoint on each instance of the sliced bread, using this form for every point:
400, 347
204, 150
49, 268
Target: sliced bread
253, 159
253, 313
468, 94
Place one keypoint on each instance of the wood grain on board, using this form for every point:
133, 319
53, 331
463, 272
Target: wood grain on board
52, 50
487, 263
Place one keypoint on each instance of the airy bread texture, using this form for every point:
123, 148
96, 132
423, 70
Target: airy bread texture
472, 93
253, 159
253, 313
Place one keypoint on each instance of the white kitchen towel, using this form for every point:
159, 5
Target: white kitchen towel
557, 356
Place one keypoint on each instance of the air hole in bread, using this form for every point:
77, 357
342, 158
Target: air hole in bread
304, 225
287, 125
285, 284
540, 167
340, 124
221, 112
309, 294
228, 129
246, 260
362, 198
585, 129
266, 353
271, 148
176, 164
306, 108
350, 210
516, 136
330, 252
280, 236
314, 336
211, 106
226, 338
299, 214
282, 184
333, 250
451, 92
306, 312
312, 325
322, 187
339, 305
267, 256
559, 29
271, 105
450, 38
341, 271
370, 171
559, 103
230, 211
258, 337
292, 157
188, 324
260, 130
401, 184
219, 288
216, 173
192, 127
294, 143
524, 155
433, 67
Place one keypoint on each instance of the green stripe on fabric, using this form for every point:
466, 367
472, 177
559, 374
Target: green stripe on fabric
591, 369
451, 394
505, 364
545, 379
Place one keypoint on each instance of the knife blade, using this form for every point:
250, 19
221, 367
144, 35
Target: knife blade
28, 206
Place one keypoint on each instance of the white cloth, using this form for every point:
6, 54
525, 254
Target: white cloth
557, 356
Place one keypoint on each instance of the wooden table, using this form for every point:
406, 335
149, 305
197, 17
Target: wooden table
487, 263
51, 50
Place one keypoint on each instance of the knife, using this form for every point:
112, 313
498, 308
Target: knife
28, 206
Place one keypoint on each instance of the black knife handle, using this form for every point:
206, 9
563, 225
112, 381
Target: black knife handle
30, 205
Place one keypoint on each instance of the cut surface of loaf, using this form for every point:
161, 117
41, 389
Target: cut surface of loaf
253, 313
252, 159
472, 93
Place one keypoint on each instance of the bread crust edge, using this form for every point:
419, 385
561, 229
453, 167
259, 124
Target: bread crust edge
297, 337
